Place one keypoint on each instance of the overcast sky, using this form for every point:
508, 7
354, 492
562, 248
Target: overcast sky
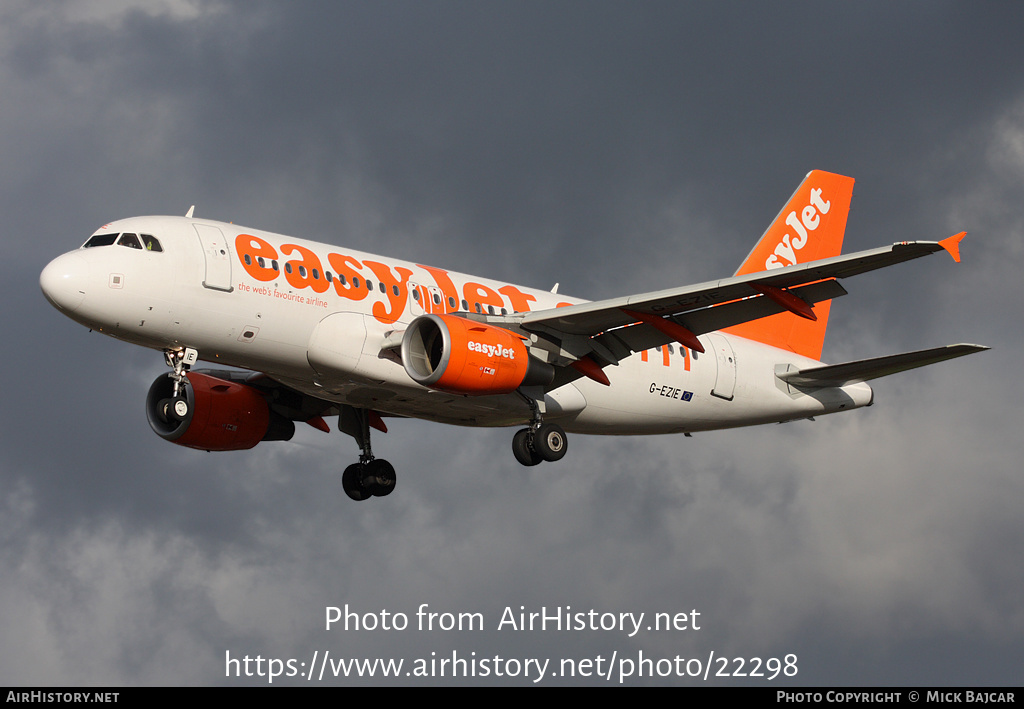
614, 148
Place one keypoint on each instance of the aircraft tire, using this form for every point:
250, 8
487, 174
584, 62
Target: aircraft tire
164, 410
379, 477
521, 449
352, 482
178, 409
550, 442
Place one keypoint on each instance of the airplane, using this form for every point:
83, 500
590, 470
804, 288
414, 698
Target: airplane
326, 331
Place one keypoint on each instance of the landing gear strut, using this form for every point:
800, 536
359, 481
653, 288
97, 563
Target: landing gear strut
177, 407
370, 477
540, 441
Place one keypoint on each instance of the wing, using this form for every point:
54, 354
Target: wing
607, 331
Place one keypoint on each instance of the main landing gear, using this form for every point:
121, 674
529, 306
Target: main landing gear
370, 477
540, 441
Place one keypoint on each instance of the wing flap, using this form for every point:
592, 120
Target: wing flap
835, 375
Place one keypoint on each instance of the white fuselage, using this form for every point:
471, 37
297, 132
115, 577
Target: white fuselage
263, 301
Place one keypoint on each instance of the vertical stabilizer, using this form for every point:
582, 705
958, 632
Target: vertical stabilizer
810, 227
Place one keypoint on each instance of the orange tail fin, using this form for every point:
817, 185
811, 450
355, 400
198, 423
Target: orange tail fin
810, 227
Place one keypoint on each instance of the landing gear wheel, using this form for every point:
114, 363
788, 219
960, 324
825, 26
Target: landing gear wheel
522, 450
550, 442
180, 408
352, 482
379, 477
170, 410
164, 409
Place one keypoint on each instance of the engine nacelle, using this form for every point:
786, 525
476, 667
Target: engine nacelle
462, 356
213, 414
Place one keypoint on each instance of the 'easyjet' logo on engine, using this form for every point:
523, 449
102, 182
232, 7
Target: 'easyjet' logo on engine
808, 221
492, 350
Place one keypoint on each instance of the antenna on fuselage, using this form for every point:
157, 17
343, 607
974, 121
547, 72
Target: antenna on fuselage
191, 209
554, 288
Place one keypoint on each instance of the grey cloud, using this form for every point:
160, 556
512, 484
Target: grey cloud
611, 148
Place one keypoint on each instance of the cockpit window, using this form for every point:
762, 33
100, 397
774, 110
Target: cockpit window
129, 240
145, 242
100, 240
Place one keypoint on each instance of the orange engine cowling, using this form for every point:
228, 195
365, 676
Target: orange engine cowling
217, 414
462, 356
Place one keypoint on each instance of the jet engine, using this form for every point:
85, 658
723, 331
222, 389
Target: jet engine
213, 414
462, 356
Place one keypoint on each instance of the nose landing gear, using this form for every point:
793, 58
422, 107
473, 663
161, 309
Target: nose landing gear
177, 407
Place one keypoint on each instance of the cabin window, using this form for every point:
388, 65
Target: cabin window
316, 275
416, 294
288, 267
394, 289
451, 301
248, 260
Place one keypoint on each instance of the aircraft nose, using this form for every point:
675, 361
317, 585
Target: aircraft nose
64, 281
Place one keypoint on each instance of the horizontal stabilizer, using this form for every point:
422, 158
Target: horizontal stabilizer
835, 375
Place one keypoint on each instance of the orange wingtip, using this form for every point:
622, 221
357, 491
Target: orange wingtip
952, 245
